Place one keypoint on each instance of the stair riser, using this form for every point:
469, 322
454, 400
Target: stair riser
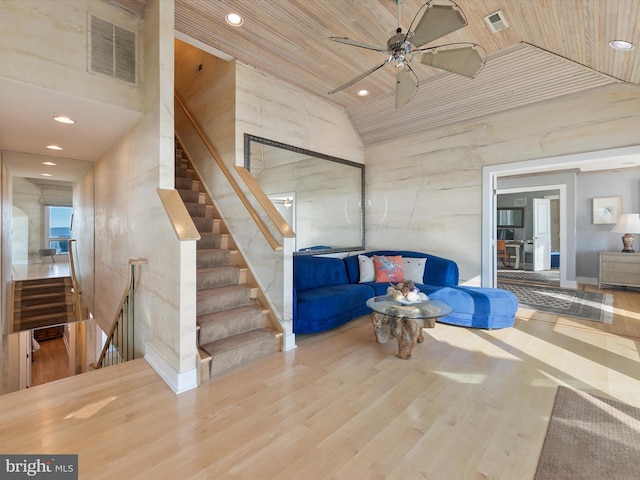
44, 281
209, 241
218, 304
45, 322
229, 327
41, 298
229, 361
216, 258
183, 172
24, 313
197, 209
190, 196
218, 279
183, 183
204, 225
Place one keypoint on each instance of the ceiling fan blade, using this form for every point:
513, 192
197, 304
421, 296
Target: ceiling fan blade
406, 86
437, 21
465, 61
357, 79
348, 41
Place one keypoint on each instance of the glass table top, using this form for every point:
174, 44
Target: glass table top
425, 309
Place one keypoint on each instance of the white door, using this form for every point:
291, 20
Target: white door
541, 234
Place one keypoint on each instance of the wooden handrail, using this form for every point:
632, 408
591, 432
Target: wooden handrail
178, 215
268, 206
241, 195
74, 282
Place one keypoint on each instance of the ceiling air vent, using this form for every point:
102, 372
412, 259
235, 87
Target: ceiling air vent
496, 21
112, 50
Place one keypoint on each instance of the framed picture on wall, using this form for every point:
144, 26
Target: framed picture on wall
606, 210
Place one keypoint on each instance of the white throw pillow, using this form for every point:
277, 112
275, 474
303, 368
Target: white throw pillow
414, 269
367, 272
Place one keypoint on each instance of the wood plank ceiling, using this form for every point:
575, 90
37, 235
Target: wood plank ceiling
550, 48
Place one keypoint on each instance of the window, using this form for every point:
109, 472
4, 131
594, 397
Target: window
58, 228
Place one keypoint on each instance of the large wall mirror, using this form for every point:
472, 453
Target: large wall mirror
322, 197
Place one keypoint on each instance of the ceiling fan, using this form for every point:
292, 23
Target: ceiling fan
438, 20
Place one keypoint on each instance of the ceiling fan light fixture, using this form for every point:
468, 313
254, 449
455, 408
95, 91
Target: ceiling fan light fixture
234, 19
621, 45
432, 21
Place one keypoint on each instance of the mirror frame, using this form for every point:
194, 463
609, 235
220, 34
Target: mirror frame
519, 224
248, 138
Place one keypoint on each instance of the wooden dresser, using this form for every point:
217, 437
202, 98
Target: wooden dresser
617, 268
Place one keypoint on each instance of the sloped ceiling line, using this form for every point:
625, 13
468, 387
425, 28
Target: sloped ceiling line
518, 76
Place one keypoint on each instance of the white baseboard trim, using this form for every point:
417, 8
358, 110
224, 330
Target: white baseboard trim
178, 382
289, 342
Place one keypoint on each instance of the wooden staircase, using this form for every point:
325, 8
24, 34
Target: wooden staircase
234, 326
41, 302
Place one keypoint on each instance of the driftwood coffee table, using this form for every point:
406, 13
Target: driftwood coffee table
404, 321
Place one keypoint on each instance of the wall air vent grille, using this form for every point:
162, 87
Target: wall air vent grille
496, 21
112, 50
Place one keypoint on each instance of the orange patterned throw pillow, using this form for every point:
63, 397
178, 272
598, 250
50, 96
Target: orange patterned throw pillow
388, 269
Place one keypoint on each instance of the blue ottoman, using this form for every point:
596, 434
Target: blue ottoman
477, 307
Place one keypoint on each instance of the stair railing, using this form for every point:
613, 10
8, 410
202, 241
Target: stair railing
263, 200
120, 344
78, 307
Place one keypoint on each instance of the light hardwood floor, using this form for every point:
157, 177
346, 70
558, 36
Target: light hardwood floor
50, 362
470, 404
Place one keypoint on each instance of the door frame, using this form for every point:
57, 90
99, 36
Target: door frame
562, 188
490, 175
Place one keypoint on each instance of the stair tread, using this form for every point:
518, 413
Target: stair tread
41, 306
219, 268
227, 314
219, 291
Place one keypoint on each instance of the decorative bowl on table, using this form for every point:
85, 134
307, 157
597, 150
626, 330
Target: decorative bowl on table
406, 293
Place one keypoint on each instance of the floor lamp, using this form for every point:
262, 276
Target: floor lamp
628, 224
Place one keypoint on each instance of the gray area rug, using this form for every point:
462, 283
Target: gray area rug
594, 306
590, 438
545, 277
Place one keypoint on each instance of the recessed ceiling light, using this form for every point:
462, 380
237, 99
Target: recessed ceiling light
54, 147
621, 45
49, 163
46, 175
66, 120
363, 93
234, 19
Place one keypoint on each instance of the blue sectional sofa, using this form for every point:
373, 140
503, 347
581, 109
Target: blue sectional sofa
327, 293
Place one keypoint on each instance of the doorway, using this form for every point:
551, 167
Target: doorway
558, 170
532, 242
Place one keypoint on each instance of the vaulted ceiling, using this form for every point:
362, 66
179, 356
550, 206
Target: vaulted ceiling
549, 49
